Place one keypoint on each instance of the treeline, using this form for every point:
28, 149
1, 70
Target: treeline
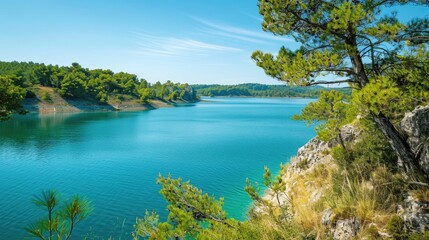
262, 90
97, 84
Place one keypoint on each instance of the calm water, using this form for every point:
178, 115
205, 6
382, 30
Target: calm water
114, 158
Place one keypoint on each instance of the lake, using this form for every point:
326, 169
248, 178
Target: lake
114, 158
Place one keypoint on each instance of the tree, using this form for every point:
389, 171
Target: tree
350, 40
276, 186
11, 97
60, 221
332, 111
145, 94
191, 211
73, 85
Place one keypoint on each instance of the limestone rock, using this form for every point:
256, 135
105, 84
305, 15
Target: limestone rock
346, 229
326, 216
416, 215
415, 125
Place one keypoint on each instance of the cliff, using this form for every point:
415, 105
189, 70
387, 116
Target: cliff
312, 176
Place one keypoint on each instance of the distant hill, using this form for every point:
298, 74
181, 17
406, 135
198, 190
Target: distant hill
261, 90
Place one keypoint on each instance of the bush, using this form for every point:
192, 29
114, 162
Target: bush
395, 227
30, 94
420, 236
372, 233
46, 97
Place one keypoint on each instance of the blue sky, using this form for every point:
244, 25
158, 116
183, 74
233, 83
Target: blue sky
206, 41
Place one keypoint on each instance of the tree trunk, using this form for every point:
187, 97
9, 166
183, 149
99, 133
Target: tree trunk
406, 158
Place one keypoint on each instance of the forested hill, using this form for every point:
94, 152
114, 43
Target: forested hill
98, 85
262, 90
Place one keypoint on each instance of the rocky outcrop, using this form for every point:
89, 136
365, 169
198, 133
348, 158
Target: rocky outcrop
346, 229
415, 214
315, 156
316, 151
415, 125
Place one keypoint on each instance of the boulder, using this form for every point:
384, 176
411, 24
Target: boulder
415, 215
346, 229
326, 216
415, 125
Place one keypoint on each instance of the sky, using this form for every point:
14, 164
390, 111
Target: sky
193, 41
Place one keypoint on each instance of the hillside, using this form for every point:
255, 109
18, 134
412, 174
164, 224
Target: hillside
53, 88
262, 90
48, 100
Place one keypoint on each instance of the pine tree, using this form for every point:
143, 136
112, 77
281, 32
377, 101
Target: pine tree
384, 60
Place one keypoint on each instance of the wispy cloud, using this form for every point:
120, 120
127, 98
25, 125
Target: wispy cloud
173, 46
257, 18
239, 33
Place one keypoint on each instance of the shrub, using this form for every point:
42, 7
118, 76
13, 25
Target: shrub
395, 227
420, 236
46, 97
60, 221
372, 233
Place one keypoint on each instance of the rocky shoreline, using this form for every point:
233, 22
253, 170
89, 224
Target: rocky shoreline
34, 105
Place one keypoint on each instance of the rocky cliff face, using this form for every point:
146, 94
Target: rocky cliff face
416, 126
315, 158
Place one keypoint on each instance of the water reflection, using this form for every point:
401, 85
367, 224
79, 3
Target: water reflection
44, 130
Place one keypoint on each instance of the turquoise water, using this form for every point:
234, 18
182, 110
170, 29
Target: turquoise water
114, 158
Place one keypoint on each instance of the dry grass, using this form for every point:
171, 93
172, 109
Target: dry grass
369, 201
307, 192
421, 194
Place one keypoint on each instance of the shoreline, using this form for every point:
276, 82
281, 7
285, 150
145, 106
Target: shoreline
52, 102
34, 105
206, 97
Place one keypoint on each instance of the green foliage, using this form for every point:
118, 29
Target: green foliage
147, 227
335, 38
60, 220
401, 89
365, 155
145, 94
383, 60
395, 227
330, 112
419, 236
196, 215
46, 96
372, 233
11, 96
191, 212
73, 85
276, 185
95, 85
370, 160
260, 90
